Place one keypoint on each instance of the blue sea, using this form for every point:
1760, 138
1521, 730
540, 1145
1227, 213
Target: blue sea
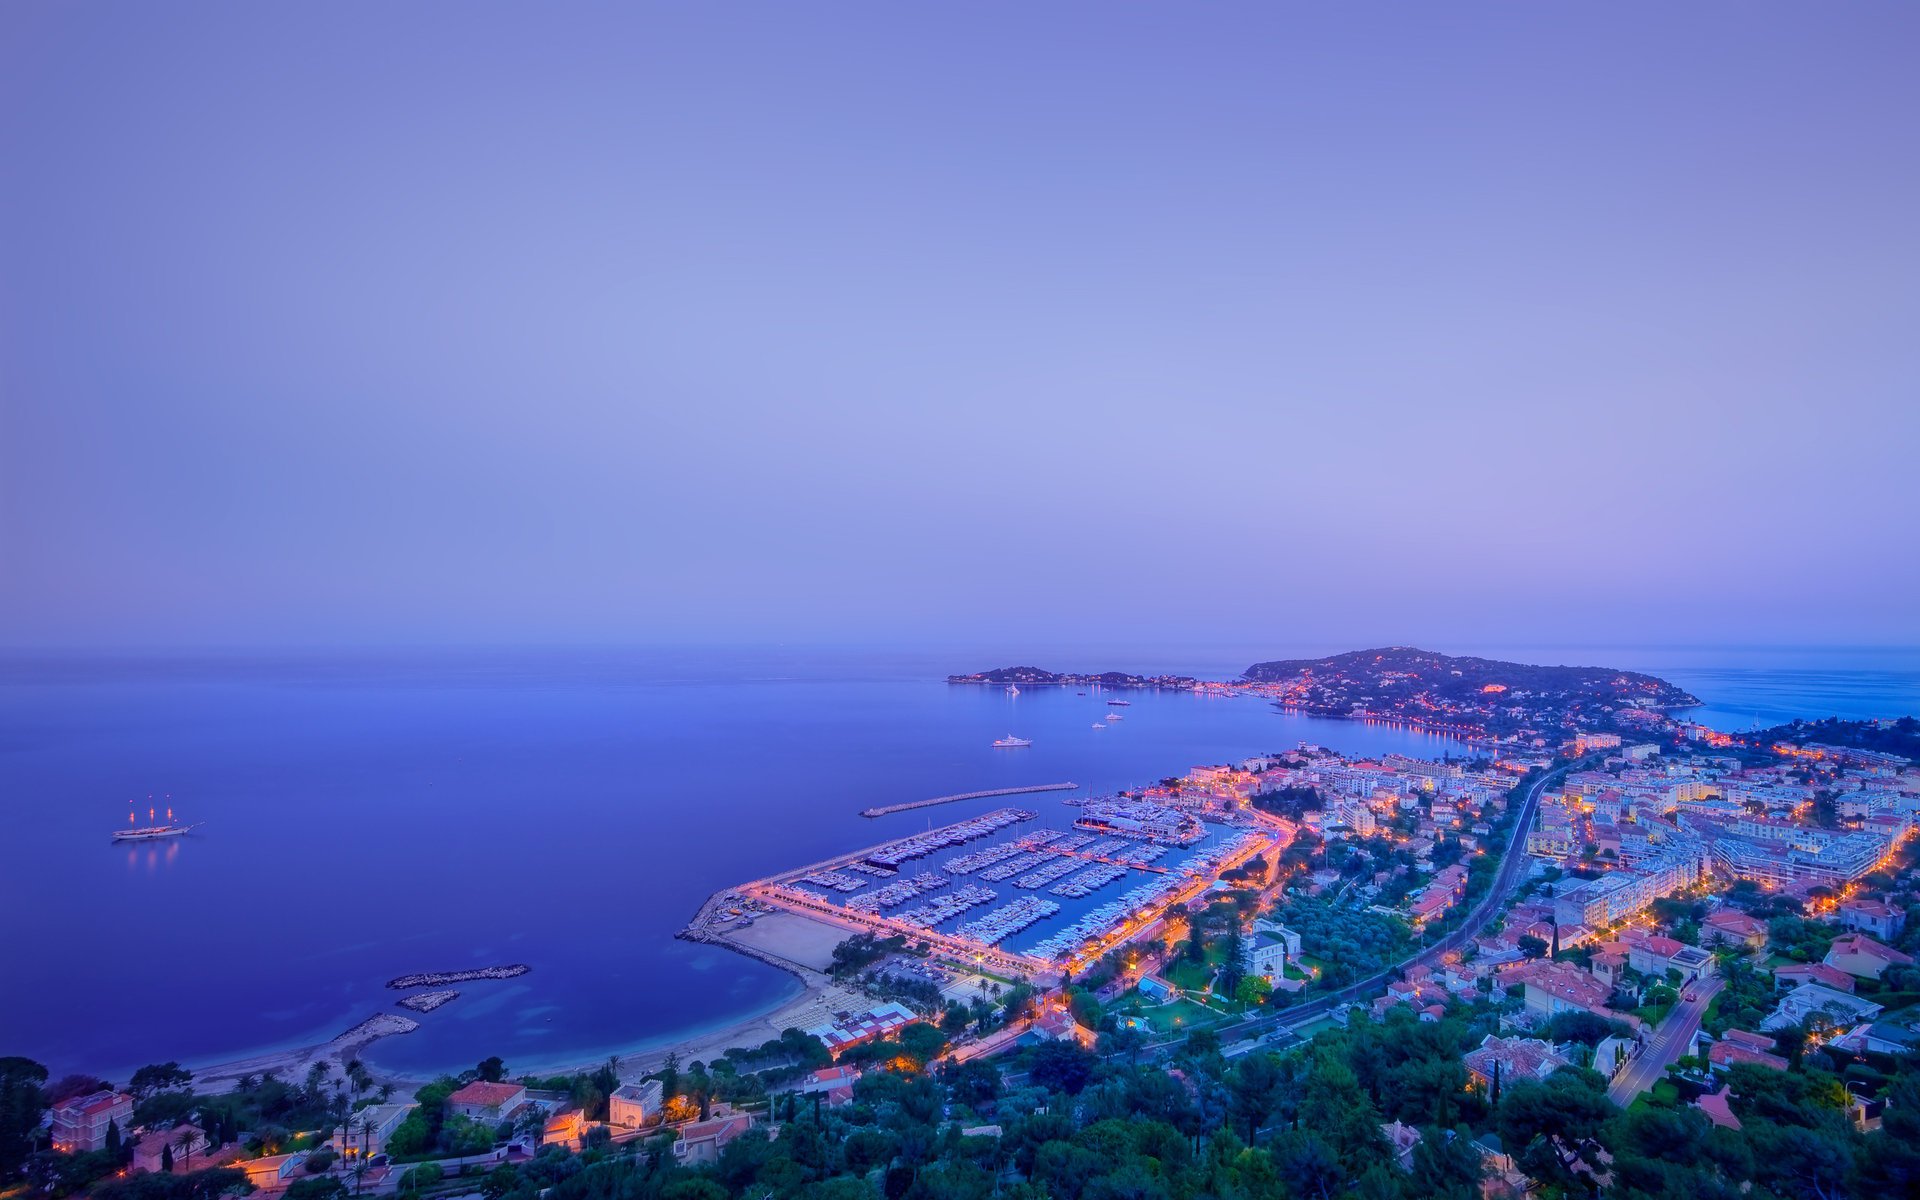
365, 815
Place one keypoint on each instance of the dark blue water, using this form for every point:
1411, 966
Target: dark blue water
371, 815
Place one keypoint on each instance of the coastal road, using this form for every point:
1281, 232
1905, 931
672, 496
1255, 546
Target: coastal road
1669, 1044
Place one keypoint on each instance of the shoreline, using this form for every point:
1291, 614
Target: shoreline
818, 998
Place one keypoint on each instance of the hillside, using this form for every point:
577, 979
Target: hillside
1402, 682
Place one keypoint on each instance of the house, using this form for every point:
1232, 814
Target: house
80, 1124
1556, 987
635, 1105
1881, 1037
1516, 1058
702, 1141
1653, 955
488, 1103
1862, 957
1058, 1025
1871, 916
366, 1132
159, 1149
275, 1172
1796, 974
1739, 1046
1823, 1004
1609, 962
1402, 1139
1731, 927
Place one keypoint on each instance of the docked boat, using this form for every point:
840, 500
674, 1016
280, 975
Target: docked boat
1010, 742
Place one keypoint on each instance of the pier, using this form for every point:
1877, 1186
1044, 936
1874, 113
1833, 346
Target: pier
886, 809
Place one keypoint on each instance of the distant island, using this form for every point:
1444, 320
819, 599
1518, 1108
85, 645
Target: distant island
1036, 677
1465, 696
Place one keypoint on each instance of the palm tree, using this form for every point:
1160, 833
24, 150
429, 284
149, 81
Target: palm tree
363, 1123
184, 1141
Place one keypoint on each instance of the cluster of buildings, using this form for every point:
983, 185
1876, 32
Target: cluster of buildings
1657, 825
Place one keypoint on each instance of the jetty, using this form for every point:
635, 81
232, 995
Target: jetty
886, 809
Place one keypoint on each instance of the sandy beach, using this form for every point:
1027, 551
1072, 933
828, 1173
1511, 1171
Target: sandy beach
794, 943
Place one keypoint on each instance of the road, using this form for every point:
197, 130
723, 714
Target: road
1513, 867
1669, 1043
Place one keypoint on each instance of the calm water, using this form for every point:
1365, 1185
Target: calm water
366, 817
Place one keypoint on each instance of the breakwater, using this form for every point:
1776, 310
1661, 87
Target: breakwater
885, 809
442, 978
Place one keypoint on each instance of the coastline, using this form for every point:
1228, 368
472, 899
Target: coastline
818, 998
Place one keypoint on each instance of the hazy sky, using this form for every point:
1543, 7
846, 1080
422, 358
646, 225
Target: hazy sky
1289, 324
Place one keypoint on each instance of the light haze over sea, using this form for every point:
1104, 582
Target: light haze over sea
369, 814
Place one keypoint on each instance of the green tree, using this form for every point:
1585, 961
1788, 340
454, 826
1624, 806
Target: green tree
159, 1077
22, 1100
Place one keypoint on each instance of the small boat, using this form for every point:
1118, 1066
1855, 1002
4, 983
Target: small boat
1013, 689
1099, 725
1116, 716
1122, 703
1010, 742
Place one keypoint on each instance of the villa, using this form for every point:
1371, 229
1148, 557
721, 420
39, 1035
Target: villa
81, 1124
634, 1105
488, 1103
1863, 958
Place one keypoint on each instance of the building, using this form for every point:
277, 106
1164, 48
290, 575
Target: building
635, 1105
366, 1132
1058, 1025
1734, 928
1862, 957
702, 1141
179, 1146
1871, 916
80, 1124
1267, 950
1823, 1005
1516, 1058
1739, 1046
488, 1103
849, 1029
1651, 954
1551, 988
275, 1172
1795, 974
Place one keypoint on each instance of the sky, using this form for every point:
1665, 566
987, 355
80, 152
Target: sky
1146, 324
